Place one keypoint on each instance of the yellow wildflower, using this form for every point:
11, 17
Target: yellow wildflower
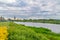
3, 33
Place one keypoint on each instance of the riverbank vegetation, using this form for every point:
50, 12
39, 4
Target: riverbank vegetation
22, 32
52, 21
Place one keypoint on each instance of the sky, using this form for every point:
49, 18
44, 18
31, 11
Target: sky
30, 9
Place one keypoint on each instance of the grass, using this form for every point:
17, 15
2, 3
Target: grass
4, 24
22, 32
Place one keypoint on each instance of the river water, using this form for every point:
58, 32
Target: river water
54, 27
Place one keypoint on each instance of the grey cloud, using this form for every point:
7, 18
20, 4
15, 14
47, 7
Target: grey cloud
34, 10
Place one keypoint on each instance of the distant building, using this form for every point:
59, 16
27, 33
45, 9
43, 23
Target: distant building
14, 18
2, 18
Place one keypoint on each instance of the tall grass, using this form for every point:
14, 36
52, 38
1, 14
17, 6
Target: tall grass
22, 32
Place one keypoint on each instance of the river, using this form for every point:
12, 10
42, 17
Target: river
54, 27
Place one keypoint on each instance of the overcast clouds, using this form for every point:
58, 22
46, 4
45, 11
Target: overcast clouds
38, 9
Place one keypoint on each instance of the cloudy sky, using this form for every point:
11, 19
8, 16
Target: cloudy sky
34, 9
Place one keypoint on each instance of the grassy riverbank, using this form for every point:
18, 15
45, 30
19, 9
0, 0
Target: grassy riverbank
22, 32
52, 21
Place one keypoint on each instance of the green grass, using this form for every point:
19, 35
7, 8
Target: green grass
4, 23
22, 32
